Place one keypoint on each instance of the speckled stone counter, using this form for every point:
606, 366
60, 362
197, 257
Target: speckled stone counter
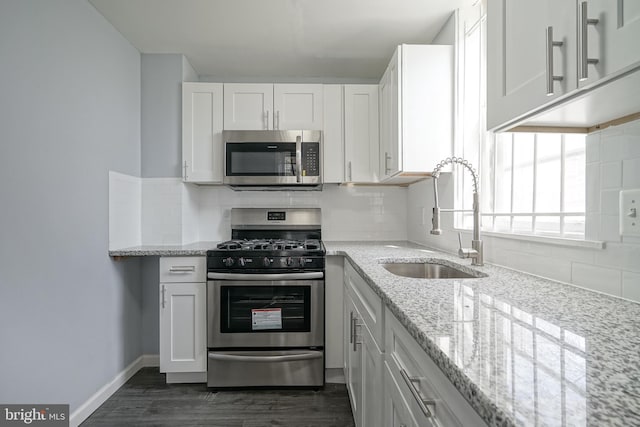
522, 350
193, 249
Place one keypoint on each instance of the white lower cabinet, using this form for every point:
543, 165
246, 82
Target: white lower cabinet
363, 356
418, 391
363, 360
183, 318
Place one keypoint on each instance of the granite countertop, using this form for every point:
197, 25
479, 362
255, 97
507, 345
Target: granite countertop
192, 249
521, 349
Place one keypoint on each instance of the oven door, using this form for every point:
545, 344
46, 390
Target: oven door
260, 312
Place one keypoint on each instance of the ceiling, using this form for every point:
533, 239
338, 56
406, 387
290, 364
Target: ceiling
279, 40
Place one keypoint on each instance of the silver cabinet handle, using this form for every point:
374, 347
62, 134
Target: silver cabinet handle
387, 169
351, 328
276, 120
267, 121
349, 170
550, 45
182, 268
583, 42
185, 170
163, 296
278, 358
354, 337
422, 403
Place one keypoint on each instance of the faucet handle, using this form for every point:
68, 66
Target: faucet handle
465, 252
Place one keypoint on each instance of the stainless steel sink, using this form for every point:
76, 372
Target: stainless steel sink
428, 270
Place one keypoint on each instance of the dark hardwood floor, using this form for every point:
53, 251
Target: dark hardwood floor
146, 400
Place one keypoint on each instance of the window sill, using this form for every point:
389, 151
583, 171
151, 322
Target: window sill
557, 241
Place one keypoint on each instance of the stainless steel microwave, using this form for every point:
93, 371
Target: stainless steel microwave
273, 159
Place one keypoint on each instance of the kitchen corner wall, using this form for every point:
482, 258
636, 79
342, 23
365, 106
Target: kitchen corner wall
613, 164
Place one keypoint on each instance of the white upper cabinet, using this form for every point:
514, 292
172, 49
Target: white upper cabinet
361, 138
520, 77
333, 134
557, 62
249, 106
297, 106
202, 132
613, 40
416, 112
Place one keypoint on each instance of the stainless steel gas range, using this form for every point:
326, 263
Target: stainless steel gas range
265, 301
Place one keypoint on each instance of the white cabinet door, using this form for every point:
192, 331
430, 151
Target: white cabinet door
371, 367
297, 106
353, 360
333, 135
517, 66
248, 106
389, 119
202, 150
183, 327
613, 40
397, 412
361, 140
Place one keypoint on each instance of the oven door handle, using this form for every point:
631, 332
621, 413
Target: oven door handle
282, 358
274, 276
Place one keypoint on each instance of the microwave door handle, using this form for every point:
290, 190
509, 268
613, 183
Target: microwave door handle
298, 159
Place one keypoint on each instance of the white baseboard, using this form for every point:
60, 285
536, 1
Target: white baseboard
99, 397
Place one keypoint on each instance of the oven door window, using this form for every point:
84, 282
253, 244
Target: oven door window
261, 159
265, 309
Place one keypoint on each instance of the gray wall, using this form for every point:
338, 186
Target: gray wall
162, 76
70, 317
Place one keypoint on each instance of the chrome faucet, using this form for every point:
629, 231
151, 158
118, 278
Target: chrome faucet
475, 252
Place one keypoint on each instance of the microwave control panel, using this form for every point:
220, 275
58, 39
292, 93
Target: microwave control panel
311, 159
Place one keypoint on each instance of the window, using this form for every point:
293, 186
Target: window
536, 184
531, 183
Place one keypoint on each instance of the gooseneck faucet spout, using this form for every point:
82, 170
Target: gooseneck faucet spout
475, 252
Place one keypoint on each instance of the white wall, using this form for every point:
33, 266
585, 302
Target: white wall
70, 316
613, 163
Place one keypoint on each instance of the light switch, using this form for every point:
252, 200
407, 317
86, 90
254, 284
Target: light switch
630, 213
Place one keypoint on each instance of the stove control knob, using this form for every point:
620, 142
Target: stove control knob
289, 261
266, 262
242, 262
228, 262
303, 261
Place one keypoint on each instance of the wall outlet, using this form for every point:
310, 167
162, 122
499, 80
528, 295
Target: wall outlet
630, 213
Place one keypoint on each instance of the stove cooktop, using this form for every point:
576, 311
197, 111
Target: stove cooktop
309, 245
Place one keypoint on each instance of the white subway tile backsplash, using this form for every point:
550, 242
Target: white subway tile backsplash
125, 204
631, 173
610, 202
610, 175
631, 285
601, 279
613, 147
610, 228
592, 171
593, 148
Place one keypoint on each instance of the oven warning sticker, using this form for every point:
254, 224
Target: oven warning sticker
266, 318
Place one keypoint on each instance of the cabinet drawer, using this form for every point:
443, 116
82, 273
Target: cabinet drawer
368, 303
413, 369
183, 269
